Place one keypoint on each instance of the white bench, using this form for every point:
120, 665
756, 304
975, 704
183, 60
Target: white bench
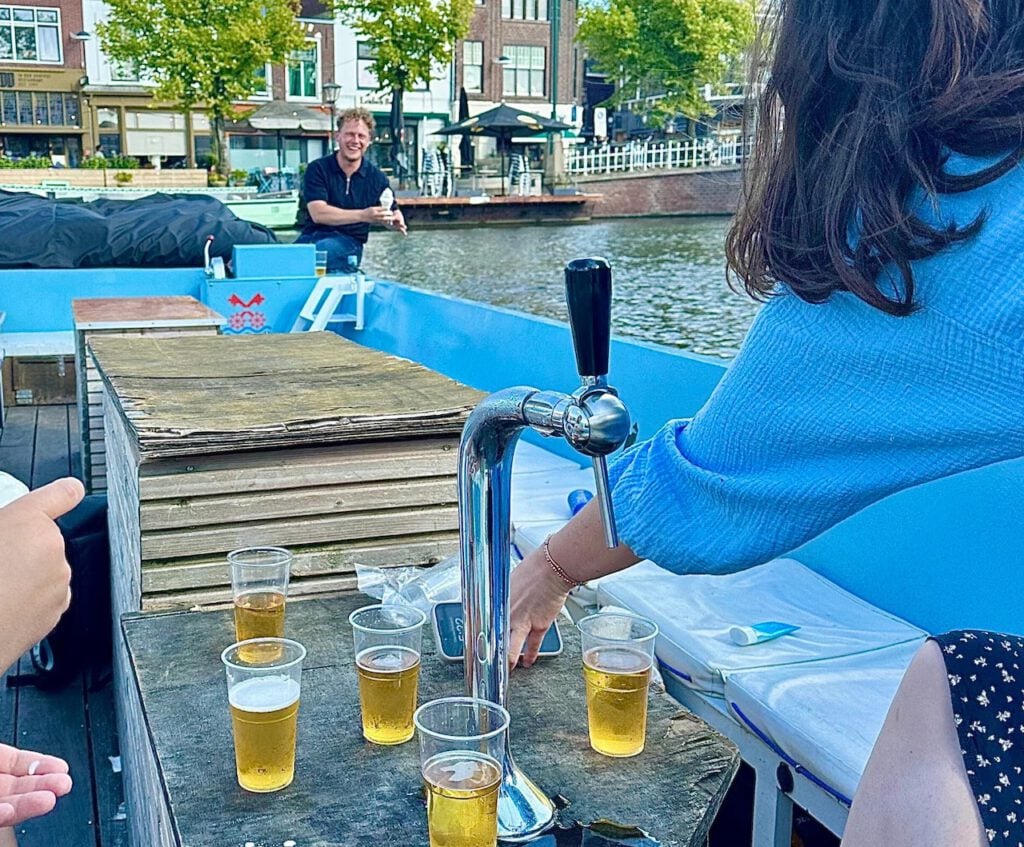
803, 709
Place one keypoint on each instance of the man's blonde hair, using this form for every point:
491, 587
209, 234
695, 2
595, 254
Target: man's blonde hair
358, 114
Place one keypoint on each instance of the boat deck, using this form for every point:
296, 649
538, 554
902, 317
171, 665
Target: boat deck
40, 444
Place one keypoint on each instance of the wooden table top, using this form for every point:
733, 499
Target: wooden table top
127, 312
353, 793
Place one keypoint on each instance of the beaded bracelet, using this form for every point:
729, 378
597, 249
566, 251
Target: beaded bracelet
557, 568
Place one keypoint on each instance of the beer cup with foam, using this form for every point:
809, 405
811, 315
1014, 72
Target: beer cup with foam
618, 653
259, 585
264, 676
462, 745
387, 649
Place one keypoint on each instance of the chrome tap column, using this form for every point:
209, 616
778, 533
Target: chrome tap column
595, 422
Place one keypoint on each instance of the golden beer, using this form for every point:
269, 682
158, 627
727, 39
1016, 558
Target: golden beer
462, 799
617, 679
259, 614
388, 677
264, 717
321, 270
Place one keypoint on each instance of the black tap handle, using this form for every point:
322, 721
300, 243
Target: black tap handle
588, 292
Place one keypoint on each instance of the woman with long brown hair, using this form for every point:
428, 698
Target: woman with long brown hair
882, 223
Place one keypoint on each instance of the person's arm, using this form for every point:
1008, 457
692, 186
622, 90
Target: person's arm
30, 784
538, 592
324, 213
34, 575
397, 223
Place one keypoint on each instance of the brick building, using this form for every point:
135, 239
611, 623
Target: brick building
42, 77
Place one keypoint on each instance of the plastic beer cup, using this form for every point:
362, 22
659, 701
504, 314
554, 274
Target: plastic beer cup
387, 648
618, 653
321, 262
259, 585
264, 676
462, 745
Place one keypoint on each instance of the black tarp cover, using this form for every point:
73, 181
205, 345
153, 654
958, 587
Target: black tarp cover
156, 231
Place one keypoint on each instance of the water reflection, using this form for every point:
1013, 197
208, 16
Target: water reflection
670, 283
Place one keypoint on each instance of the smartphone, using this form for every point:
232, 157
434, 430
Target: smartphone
450, 628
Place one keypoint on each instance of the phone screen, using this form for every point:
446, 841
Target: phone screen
450, 629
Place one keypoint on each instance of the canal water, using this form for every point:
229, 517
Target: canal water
669, 273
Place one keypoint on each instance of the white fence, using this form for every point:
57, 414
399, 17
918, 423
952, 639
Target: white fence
644, 156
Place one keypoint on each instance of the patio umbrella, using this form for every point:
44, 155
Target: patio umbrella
280, 116
504, 123
465, 145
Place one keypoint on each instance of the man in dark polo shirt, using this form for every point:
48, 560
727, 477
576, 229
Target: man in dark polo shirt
343, 194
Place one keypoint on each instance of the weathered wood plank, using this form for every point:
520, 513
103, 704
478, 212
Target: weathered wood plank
168, 544
107, 786
18, 442
181, 574
187, 396
190, 512
51, 459
54, 722
273, 470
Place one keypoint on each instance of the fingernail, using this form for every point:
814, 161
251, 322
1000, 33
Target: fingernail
33, 767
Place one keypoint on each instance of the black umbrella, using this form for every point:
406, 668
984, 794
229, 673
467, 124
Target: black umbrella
504, 123
397, 131
465, 145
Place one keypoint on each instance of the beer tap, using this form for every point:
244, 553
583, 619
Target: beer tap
595, 422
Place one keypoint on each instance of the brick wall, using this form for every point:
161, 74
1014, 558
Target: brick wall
690, 192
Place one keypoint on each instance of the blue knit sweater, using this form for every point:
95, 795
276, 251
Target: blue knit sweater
828, 408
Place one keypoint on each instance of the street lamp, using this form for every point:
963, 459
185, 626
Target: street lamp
330, 91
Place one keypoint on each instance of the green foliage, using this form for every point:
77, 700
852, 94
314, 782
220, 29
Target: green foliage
123, 177
6, 163
98, 163
26, 162
208, 53
239, 177
412, 38
666, 47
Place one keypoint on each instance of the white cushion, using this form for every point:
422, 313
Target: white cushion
695, 613
823, 716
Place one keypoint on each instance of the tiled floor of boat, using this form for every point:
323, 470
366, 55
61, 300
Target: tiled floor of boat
40, 444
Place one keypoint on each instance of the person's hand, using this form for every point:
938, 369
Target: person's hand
398, 222
35, 580
536, 596
378, 215
30, 784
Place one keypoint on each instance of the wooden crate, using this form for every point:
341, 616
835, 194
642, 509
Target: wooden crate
96, 317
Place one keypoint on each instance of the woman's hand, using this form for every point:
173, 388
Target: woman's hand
537, 595
30, 784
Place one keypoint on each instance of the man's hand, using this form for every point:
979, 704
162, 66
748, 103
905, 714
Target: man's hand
378, 215
398, 222
30, 784
35, 578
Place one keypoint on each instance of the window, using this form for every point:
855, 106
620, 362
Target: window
39, 108
473, 65
524, 73
261, 88
303, 77
29, 34
365, 54
124, 71
525, 10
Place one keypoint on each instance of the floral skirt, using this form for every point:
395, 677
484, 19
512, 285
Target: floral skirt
986, 684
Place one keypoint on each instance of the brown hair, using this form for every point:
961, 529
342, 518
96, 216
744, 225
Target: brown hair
863, 104
358, 113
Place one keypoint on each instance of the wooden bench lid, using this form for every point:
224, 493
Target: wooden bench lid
140, 312
214, 394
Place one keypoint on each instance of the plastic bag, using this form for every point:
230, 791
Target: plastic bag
419, 587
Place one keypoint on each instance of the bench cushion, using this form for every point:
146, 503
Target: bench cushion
822, 716
695, 612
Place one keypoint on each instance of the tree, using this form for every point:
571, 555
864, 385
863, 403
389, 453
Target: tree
210, 54
410, 40
665, 50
